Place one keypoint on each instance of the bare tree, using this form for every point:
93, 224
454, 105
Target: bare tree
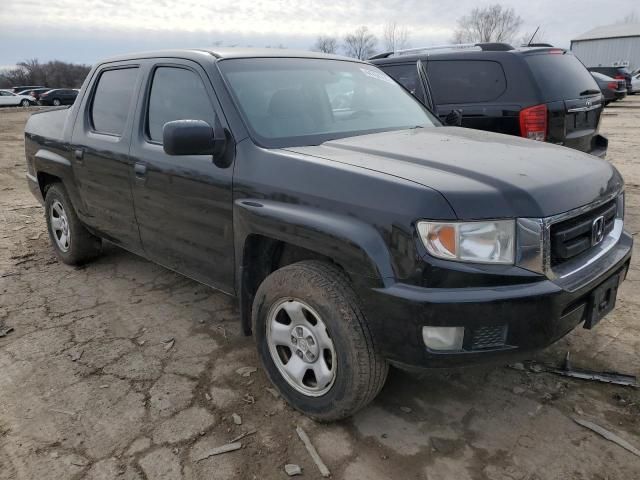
539, 37
360, 44
631, 17
396, 37
493, 23
51, 74
326, 44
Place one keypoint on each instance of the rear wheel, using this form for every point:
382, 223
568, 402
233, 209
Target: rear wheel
314, 341
25, 103
72, 242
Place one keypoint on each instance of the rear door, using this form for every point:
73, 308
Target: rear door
572, 96
183, 203
100, 152
475, 88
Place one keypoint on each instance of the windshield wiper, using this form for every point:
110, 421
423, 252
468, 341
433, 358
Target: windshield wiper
590, 91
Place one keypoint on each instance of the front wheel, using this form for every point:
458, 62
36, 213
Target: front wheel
72, 242
25, 103
314, 341
56, 102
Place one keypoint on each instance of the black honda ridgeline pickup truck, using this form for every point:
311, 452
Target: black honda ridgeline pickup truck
354, 229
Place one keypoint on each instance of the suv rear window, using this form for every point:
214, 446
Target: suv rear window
465, 81
560, 76
112, 100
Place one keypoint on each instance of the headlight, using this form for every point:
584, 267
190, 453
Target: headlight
481, 242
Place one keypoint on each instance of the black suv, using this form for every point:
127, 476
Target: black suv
619, 73
353, 229
541, 93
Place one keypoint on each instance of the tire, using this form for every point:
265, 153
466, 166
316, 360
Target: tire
72, 242
56, 102
325, 295
25, 103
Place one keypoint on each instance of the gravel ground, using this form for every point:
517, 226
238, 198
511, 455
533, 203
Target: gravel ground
122, 369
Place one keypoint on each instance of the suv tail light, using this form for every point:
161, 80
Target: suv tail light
619, 77
612, 85
533, 122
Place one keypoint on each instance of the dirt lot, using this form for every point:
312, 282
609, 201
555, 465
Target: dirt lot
91, 385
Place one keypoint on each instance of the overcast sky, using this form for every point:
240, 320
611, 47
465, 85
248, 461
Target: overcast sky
86, 30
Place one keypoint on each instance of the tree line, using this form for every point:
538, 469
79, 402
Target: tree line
493, 23
55, 74
362, 43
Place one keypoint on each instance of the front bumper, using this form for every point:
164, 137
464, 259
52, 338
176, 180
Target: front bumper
531, 315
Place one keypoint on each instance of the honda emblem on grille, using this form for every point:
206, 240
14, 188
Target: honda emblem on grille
597, 230
588, 103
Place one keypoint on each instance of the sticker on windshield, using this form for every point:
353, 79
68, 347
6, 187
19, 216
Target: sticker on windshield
377, 75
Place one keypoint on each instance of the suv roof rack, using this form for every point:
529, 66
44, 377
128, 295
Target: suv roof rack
491, 47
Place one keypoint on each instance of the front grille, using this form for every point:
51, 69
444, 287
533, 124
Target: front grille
572, 237
489, 337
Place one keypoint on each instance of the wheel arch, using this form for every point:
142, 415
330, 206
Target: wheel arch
271, 235
51, 167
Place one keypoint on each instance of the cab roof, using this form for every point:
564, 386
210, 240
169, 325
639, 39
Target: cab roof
228, 52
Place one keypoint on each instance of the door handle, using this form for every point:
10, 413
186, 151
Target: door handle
78, 154
140, 169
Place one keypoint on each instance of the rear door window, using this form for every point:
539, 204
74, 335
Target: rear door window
561, 76
465, 81
112, 100
176, 94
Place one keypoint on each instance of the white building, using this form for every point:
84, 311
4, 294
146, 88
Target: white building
611, 45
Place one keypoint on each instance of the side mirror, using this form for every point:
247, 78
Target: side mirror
192, 137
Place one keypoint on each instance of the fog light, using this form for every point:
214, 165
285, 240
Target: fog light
443, 338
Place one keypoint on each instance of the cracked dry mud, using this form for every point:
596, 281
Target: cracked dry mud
130, 407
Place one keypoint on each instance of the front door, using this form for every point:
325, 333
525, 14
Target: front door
183, 203
100, 154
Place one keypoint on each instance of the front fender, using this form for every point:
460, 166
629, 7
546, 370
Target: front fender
357, 246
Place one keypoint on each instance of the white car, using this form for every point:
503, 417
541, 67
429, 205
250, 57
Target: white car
635, 83
8, 98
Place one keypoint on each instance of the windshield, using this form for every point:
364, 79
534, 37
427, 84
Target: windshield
297, 101
561, 76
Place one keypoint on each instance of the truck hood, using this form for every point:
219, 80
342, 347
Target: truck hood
481, 174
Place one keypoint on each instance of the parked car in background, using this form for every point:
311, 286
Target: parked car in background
619, 73
34, 92
58, 96
22, 88
414, 244
541, 93
10, 99
611, 88
635, 84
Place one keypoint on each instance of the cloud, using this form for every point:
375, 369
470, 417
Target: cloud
86, 30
